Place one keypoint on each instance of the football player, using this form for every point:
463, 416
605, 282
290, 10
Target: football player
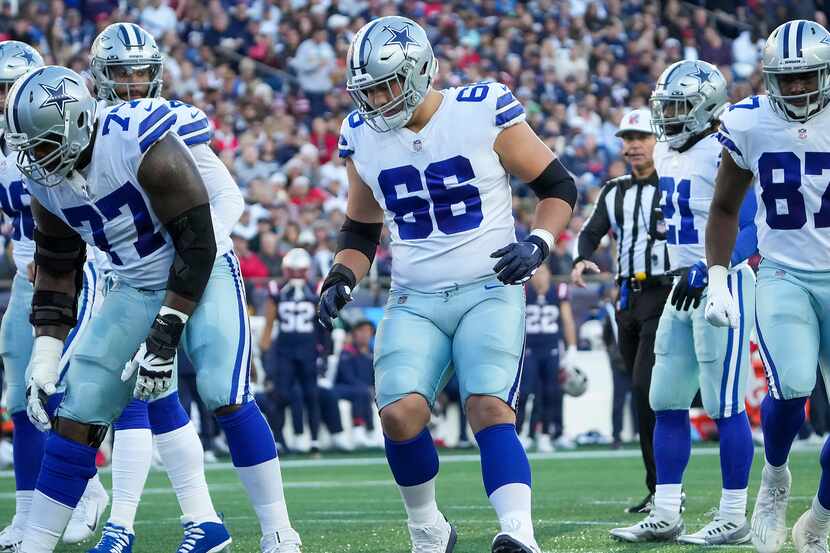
779, 143
118, 181
690, 353
16, 334
548, 318
434, 165
127, 65
296, 351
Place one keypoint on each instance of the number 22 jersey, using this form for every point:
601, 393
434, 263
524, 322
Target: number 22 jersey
791, 165
445, 194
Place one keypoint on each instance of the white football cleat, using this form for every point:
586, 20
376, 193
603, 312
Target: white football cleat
769, 518
505, 542
87, 514
11, 537
544, 444
651, 528
438, 537
286, 540
719, 531
806, 538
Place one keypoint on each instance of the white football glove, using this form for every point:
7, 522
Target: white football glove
569, 359
44, 369
721, 307
155, 359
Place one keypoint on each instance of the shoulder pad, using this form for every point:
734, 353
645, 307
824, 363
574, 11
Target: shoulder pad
345, 144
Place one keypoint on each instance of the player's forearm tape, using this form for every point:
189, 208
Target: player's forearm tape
363, 237
555, 182
58, 255
53, 309
339, 273
192, 235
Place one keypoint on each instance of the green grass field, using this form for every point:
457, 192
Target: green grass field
349, 504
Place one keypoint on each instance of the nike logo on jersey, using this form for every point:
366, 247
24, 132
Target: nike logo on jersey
194, 114
492, 285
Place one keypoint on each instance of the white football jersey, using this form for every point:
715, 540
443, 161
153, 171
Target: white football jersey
15, 203
107, 206
791, 165
444, 192
687, 184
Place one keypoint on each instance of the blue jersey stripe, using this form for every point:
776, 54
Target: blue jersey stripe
190, 128
345, 153
157, 133
726, 141
195, 139
509, 115
786, 41
504, 100
799, 37
152, 119
241, 343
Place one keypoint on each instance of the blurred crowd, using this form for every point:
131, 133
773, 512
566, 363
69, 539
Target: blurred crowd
271, 73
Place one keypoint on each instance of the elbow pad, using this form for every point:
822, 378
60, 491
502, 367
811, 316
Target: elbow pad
193, 238
363, 237
555, 182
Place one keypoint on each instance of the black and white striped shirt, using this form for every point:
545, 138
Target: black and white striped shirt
630, 208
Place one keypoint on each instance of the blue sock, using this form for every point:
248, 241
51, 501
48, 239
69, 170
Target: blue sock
503, 459
133, 416
67, 466
824, 483
780, 421
28, 451
672, 445
414, 461
736, 451
167, 414
250, 440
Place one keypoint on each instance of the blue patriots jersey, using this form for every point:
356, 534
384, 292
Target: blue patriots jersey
105, 203
296, 316
542, 317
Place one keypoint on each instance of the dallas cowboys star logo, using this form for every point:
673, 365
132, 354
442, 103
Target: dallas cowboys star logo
702, 75
57, 96
26, 55
400, 37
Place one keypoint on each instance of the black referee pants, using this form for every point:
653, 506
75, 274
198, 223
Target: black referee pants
637, 327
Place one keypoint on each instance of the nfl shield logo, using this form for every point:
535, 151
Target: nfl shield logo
402, 300
417, 145
802, 133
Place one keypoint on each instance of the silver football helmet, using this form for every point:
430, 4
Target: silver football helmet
50, 118
121, 50
689, 95
797, 47
16, 58
390, 58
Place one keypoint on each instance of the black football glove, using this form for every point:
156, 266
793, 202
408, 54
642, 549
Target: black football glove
335, 294
520, 260
690, 287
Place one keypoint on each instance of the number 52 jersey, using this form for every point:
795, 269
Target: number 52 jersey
791, 164
445, 194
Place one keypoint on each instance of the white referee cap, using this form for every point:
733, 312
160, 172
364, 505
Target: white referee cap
638, 120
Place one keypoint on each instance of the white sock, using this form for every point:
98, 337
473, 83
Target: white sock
733, 505
23, 504
775, 475
47, 521
132, 455
183, 457
667, 500
820, 517
512, 505
264, 485
419, 502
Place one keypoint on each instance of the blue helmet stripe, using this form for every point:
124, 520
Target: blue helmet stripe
125, 36
15, 114
786, 41
799, 36
139, 39
363, 42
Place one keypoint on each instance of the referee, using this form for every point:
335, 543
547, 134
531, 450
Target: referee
629, 206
